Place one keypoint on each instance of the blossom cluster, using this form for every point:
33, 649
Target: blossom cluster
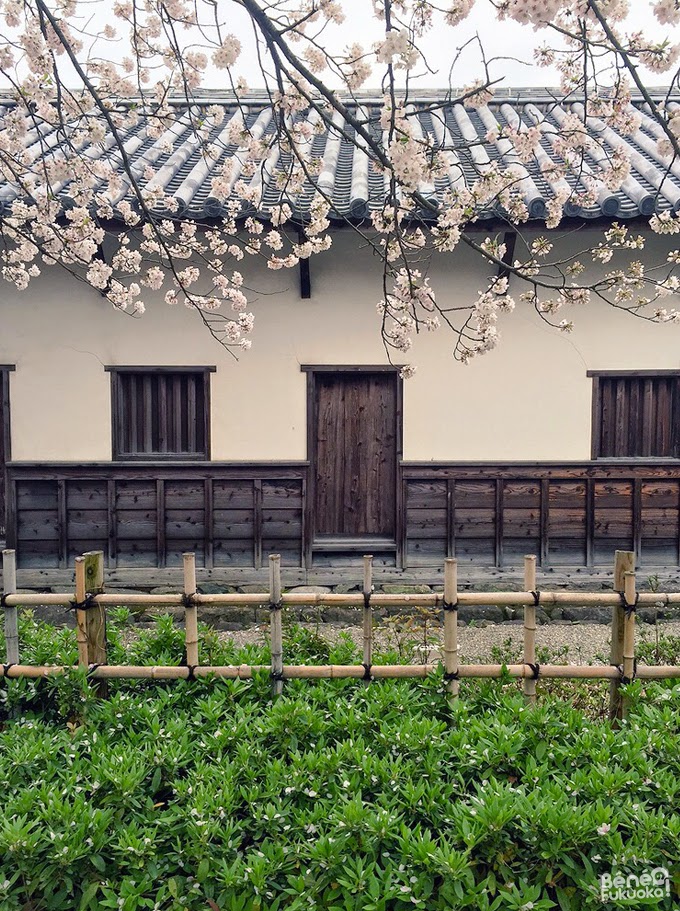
102, 179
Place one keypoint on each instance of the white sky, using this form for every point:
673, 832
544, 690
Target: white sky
509, 45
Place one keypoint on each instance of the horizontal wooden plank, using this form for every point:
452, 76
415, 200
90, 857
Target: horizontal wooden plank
232, 494
566, 523
85, 495
659, 494
475, 494
566, 494
519, 522
184, 495
281, 494
475, 523
133, 495
36, 495
37, 525
426, 494
136, 524
517, 494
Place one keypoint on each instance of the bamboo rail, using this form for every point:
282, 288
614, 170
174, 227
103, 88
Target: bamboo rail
90, 606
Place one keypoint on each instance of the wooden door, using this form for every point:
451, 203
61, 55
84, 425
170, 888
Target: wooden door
354, 448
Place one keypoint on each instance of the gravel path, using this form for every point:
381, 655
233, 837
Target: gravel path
570, 643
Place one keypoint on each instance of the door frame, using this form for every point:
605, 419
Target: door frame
312, 370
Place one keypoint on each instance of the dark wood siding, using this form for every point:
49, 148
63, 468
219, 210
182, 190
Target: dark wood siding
160, 413
149, 515
636, 415
355, 454
571, 515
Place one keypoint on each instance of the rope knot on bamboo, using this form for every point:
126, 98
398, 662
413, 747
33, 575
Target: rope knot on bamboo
626, 680
3, 598
367, 600
188, 600
6, 667
367, 672
88, 602
191, 671
277, 675
451, 605
451, 675
536, 595
535, 670
626, 605
92, 669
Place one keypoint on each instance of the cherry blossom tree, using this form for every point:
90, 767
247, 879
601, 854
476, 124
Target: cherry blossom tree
78, 196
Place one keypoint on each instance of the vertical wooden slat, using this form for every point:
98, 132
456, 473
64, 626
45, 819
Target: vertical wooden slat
204, 415
303, 528
451, 626
163, 413
190, 609
621, 426
9, 585
544, 522
112, 522
403, 527
637, 517
62, 523
208, 523
596, 447
530, 627
178, 416
160, 524
147, 411
624, 562
499, 522
11, 529
647, 418
129, 382
257, 523
675, 421
590, 521
450, 518
275, 623
192, 430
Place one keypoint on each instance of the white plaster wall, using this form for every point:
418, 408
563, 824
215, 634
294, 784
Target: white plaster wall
531, 399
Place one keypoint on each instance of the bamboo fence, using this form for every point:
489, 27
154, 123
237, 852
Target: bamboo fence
90, 602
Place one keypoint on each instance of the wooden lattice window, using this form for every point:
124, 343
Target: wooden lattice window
160, 412
5, 441
636, 414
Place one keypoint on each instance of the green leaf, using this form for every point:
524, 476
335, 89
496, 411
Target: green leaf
88, 894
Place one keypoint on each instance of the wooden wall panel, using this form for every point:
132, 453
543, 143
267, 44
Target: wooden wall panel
572, 515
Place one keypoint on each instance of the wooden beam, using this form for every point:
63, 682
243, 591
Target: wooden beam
509, 239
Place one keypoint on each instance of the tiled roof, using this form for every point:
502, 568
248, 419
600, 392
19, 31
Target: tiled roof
349, 177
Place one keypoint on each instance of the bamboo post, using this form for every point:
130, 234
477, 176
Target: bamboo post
451, 626
628, 637
530, 629
368, 615
190, 611
95, 615
81, 613
275, 625
9, 584
624, 562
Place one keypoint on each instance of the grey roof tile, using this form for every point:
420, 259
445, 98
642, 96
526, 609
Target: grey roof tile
347, 174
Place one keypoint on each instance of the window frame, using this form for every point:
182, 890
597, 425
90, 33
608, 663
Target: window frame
118, 453
596, 415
